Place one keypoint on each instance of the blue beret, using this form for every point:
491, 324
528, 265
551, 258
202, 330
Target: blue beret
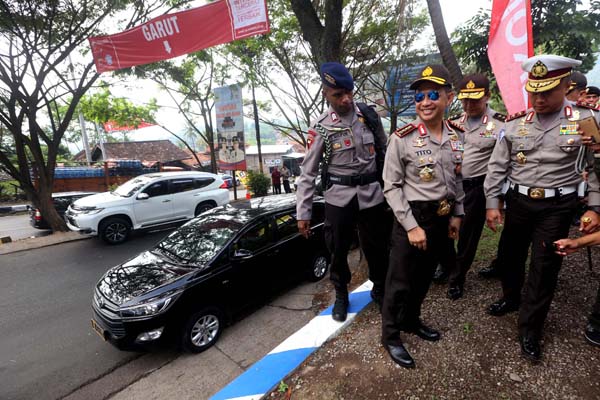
335, 75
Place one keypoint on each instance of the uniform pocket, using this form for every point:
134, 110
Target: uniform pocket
569, 143
522, 144
342, 150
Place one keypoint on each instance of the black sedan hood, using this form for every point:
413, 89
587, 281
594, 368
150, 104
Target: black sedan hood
138, 276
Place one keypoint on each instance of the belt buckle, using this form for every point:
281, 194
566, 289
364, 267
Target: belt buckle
536, 193
444, 208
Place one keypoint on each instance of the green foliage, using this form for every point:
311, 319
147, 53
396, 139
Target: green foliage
258, 183
282, 387
467, 327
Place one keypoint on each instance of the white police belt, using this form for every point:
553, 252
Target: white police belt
542, 193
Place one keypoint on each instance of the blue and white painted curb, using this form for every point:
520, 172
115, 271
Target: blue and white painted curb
266, 373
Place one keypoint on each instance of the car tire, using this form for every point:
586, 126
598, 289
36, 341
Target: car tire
202, 329
114, 230
318, 267
204, 206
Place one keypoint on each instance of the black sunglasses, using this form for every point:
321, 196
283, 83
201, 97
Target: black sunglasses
432, 94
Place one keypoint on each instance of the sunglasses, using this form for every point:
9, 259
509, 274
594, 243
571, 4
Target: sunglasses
433, 96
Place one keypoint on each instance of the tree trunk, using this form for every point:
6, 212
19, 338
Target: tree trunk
46, 206
443, 42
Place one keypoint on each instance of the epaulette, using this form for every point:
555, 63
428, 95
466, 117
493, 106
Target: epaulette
455, 116
456, 126
405, 130
591, 106
516, 115
500, 117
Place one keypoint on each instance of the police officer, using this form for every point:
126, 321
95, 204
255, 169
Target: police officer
577, 87
481, 125
537, 151
592, 95
352, 193
422, 186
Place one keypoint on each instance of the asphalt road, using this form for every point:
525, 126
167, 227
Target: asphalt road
47, 348
18, 227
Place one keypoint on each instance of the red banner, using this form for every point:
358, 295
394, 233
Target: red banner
509, 44
112, 126
176, 34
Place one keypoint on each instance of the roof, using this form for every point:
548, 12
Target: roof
147, 150
269, 149
203, 157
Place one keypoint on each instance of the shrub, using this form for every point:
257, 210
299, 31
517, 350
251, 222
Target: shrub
258, 183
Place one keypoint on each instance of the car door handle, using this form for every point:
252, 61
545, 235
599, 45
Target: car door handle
166, 201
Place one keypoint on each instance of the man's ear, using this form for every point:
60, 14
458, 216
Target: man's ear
450, 95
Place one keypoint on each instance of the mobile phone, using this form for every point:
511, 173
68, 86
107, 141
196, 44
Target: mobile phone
589, 127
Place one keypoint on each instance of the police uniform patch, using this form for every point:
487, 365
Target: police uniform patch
310, 138
499, 117
405, 130
516, 115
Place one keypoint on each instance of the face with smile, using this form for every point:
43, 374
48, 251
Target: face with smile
341, 100
431, 112
475, 107
550, 101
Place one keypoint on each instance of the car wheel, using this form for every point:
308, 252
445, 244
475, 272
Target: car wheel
318, 268
202, 329
204, 206
114, 230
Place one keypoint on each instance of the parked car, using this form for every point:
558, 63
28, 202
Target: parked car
192, 283
61, 201
228, 179
147, 201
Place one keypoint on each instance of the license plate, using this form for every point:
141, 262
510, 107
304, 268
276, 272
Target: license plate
98, 329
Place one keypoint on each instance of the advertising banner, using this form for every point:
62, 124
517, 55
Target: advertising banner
509, 44
230, 128
176, 34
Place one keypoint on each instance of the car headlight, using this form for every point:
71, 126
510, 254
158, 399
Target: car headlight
88, 210
152, 307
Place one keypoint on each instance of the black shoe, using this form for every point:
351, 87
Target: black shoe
340, 308
455, 292
440, 276
592, 335
425, 332
502, 307
377, 295
400, 356
530, 348
489, 272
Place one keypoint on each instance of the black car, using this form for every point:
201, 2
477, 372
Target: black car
62, 201
195, 280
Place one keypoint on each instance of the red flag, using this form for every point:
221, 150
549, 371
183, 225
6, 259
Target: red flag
112, 126
172, 35
509, 44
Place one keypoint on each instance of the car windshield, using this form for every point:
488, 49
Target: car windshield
198, 241
130, 187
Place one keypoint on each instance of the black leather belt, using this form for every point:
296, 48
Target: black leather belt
352, 180
440, 207
472, 182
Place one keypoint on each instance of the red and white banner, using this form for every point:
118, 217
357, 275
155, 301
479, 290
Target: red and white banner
509, 44
173, 35
112, 126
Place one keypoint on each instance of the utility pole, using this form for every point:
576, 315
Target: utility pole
257, 129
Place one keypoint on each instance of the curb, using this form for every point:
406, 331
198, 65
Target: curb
42, 241
266, 373
17, 208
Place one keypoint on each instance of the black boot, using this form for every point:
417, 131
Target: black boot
440, 275
340, 307
377, 295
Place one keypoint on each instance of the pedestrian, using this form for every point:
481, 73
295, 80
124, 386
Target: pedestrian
285, 177
276, 181
577, 88
422, 186
537, 152
481, 125
592, 95
348, 142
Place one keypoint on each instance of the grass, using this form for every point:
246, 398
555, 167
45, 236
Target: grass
488, 245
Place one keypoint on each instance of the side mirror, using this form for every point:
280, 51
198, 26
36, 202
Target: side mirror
143, 196
242, 253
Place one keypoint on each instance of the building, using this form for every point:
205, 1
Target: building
274, 155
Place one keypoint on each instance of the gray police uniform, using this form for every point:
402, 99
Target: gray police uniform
537, 154
479, 139
422, 186
354, 196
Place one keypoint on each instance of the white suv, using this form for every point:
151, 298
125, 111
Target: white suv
147, 201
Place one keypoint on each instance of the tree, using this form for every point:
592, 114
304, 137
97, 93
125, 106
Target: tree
443, 42
37, 76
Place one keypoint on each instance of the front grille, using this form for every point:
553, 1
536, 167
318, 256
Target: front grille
108, 315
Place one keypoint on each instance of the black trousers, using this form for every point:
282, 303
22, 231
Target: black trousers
410, 271
373, 232
277, 188
535, 223
286, 186
595, 315
470, 230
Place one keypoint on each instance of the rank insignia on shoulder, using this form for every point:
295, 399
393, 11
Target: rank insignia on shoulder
453, 125
499, 117
591, 106
405, 130
516, 115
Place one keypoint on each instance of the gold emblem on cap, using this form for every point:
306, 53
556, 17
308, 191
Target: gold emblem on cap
427, 71
539, 69
471, 85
